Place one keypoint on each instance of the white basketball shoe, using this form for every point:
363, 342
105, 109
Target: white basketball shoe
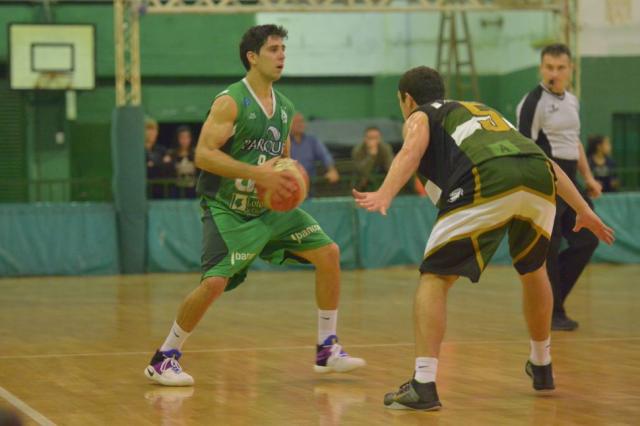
331, 358
165, 369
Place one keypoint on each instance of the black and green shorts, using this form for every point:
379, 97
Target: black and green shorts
512, 195
232, 242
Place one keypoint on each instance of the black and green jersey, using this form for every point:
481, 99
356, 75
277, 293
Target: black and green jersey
462, 136
256, 138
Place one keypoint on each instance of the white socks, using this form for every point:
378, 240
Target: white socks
327, 321
175, 339
326, 324
426, 369
540, 352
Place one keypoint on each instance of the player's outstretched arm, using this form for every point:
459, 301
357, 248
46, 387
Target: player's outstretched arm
585, 217
216, 131
404, 165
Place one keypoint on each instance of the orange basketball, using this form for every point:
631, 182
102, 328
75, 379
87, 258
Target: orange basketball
302, 182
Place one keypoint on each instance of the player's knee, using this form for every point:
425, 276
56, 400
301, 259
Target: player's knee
214, 286
332, 255
326, 257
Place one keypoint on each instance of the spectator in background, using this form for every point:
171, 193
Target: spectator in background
183, 160
372, 160
157, 159
307, 150
601, 164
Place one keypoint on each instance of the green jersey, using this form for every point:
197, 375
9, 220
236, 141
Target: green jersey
462, 136
257, 137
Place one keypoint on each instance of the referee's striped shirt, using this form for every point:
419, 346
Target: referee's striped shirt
553, 122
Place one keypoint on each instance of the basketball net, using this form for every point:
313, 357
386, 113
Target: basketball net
54, 80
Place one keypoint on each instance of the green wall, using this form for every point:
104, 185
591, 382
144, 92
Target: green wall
609, 85
185, 99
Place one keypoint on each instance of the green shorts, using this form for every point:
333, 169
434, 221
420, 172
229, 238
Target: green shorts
232, 242
514, 195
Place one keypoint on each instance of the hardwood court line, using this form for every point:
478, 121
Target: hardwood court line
22, 406
306, 347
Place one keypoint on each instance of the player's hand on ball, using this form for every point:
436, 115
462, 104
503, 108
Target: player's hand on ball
293, 189
372, 201
280, 182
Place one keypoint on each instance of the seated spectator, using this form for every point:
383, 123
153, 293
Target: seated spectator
183, 160
158, 162
372, 160
307, 150
601, 164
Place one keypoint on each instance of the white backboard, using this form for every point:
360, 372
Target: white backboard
52, 57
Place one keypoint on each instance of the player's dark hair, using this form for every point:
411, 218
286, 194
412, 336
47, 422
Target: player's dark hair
556, 49
424, 84
256, 37
183, 128
593, 142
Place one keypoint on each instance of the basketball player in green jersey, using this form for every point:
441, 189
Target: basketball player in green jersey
246, 130
487, 180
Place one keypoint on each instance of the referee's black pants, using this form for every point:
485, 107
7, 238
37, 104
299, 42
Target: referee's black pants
564, 267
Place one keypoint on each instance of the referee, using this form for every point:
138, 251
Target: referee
549, 115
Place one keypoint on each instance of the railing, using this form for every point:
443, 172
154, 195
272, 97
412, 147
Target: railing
319, 187
167, 189
56, 190
99, 189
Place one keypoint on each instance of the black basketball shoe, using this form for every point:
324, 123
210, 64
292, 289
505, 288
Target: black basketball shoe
542, 376
414, 396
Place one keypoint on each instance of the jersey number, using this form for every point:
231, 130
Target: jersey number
248, 185
489, 119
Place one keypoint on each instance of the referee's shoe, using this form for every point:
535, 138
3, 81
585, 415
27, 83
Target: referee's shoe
563, 323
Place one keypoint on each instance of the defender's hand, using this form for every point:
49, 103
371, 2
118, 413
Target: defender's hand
372, 201
588, 219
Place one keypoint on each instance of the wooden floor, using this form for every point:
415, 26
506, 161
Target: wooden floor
74, 350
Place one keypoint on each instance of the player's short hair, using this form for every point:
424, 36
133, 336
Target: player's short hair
256, 37
424, 84
556, 49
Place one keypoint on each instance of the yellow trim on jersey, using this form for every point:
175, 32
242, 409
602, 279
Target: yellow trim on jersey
478, 200
478, 253
473, 235
525, 206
